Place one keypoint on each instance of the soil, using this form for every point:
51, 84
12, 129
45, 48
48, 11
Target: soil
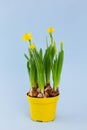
48, 92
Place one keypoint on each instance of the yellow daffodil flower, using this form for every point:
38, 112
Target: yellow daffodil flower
50, 30
27, 37
32, 46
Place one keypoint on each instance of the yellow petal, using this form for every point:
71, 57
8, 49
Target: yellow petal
29, 34
50, 30
32, 46
27, 37
31, 38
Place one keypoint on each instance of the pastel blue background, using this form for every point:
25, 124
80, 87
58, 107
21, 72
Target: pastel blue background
69, 18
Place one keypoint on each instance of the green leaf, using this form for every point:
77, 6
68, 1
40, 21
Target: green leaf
26, 56
40, 69
57, 67
48, 60
61, 45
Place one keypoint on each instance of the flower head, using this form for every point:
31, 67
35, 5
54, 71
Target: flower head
50, 30
32, 46
27, 37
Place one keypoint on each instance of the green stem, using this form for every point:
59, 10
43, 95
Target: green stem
30, 41
51, 38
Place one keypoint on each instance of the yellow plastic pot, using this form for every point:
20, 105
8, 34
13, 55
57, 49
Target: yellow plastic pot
43, 109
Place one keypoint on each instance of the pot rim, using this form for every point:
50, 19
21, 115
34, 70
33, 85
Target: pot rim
42, 100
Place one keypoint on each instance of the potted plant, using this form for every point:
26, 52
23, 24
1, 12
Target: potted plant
42, 68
